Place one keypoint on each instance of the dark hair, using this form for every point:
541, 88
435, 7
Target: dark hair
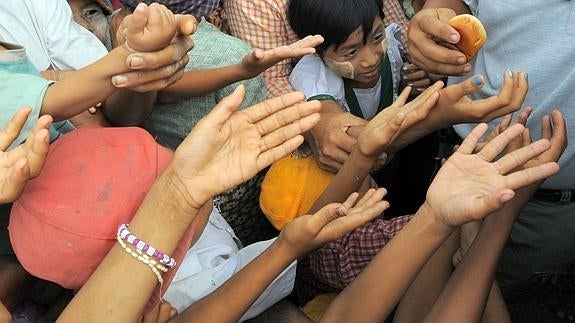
335, 20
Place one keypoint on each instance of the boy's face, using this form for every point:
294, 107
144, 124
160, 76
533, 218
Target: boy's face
356, 60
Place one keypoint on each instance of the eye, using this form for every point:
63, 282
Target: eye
350, 53
378, 37
90, 12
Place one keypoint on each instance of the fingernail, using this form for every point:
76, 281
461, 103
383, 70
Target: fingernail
525, 76
454, 38
509, 73
506, 198
119, 80
462, 60
477, 81
410, 84
467, 68
136, 61
140, 7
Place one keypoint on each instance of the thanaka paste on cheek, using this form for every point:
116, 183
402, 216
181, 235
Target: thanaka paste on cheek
343, 69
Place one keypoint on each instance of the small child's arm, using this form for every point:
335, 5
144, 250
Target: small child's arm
201, 82
93, 84
374, 140
298, 237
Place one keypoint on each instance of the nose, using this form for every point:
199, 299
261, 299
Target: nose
370, 57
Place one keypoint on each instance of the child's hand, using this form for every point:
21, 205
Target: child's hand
228, 147
470, 186
380, 132
456, 107
149, 28
259, 60
23, 162
334, 220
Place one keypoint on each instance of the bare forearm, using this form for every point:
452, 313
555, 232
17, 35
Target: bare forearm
347, 180
230, 301
161, 221
457, 5
390, 273
202, 82
465, 297
127, 108
86, 87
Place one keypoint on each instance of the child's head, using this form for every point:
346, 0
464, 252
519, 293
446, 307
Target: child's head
353, 31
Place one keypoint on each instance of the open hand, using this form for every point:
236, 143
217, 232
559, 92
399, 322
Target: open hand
553, 128
227, 147
259, 60
470, 186
331, 222
25, 161
390, 122
455, 106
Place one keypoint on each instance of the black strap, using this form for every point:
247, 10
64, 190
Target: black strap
385, 97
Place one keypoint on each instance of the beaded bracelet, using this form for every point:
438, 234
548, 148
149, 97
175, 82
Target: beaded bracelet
141, 259
125, 234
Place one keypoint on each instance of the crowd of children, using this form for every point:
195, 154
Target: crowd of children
137, 141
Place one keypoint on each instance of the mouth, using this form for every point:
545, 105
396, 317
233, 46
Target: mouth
371, 73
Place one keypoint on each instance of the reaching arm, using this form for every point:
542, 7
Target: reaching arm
242, 142
263, 24
201, 82
374, 140
468, 187
148, 28
465, 295
299, 236
455, 106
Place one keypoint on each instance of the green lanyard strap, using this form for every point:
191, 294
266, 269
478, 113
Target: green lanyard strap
385, 97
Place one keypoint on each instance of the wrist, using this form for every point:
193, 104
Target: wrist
433, 219
184, 200
361, 160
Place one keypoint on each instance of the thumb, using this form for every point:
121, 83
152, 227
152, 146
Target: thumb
327, 214
185, 24
139, 20
469, 86
227, 106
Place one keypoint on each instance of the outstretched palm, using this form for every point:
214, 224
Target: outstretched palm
470, 186
228, 147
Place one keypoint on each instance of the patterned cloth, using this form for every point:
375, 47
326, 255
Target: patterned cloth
264, 24
337, 264
394, 14
197, 8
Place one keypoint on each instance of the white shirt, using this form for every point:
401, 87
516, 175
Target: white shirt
214, 259
47, 30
